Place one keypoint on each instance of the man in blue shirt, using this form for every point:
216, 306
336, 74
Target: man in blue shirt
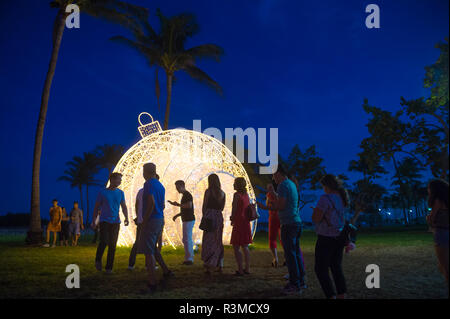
108, 203
291, 229
152, 225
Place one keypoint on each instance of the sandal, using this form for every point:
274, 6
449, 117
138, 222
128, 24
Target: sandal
275, 264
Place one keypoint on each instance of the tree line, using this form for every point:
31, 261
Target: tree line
414, 138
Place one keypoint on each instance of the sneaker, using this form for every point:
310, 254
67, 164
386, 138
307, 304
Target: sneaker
131, 268
98, 265
290, 289
46, 245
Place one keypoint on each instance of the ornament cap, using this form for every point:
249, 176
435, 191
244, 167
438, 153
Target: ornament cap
149, 128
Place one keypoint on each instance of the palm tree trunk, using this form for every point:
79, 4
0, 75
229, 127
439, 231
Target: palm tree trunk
34, 235
169, 96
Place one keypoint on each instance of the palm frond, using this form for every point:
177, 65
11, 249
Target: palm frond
201, 76
206, 51
115, 11
150, 53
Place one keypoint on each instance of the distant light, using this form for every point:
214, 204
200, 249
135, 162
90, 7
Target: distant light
410, 210
379, 209
429, 209
388, 213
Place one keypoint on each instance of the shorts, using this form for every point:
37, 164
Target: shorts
74, 229
440, 237
148, 238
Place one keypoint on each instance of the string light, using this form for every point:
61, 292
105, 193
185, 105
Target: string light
179, 154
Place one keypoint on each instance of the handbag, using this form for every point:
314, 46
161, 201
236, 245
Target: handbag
348, 233
207, 224
251, 212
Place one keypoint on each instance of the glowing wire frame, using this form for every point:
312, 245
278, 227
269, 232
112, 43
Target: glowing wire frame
179, 154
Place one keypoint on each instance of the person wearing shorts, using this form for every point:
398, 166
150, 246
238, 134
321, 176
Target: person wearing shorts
76, 224
152, 225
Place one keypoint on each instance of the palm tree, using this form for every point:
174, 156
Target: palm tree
166, 50
73, 176
112, 10
109, 155
82, 171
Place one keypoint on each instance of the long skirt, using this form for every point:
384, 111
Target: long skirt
212, 244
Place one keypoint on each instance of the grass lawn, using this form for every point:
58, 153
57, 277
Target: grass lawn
405, 256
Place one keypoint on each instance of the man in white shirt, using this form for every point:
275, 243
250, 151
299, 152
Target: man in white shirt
138, 222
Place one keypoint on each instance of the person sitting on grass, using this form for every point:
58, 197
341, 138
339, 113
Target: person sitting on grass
109, 201
54, 225
188, 219
76, 223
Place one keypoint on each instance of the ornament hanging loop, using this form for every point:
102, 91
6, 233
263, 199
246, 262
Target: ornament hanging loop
144, 113
149, 128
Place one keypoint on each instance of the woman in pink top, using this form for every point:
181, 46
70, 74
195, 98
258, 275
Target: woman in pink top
241, 235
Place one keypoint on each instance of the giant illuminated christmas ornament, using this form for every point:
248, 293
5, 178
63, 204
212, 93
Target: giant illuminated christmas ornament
179, 154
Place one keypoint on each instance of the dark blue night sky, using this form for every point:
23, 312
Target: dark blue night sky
302, 66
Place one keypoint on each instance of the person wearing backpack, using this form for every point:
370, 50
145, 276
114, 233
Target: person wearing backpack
329, 220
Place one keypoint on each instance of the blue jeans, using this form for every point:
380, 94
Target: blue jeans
290, 237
